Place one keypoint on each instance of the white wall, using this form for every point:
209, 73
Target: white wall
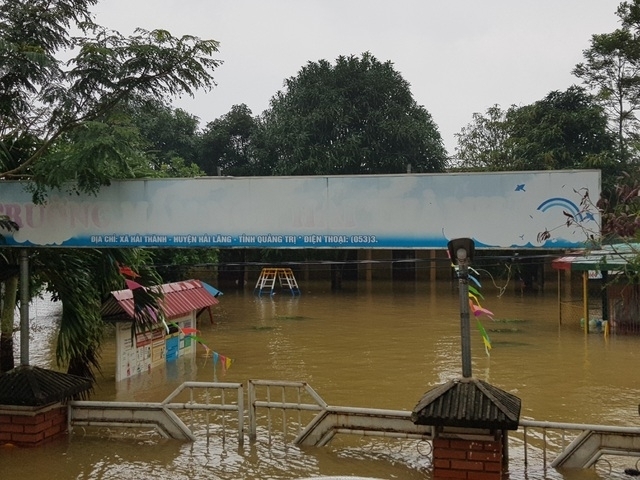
409, 211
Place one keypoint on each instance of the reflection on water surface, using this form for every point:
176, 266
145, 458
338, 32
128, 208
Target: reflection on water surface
381, 347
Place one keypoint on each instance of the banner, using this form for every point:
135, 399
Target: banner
408, 211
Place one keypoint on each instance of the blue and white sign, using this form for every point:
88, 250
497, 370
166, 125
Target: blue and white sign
410, 211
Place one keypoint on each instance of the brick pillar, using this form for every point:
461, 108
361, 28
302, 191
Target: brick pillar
467, 456
32, 426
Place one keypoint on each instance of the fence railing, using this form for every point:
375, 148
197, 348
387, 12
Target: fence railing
197, 401
575, 445
295, 413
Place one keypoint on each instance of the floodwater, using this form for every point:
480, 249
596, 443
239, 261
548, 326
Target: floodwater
381, 346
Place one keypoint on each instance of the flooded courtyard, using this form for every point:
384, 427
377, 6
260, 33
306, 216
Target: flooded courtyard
381, 346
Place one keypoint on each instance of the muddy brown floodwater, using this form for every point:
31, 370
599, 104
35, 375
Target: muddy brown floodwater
379, 347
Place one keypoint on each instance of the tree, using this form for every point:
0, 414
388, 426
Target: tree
561, 131
9, 277
43, 99
612, 70
171, 137
80, 280
171, 141
62, 126
483, 144
227, 144
564, 130
621, 211
355, 117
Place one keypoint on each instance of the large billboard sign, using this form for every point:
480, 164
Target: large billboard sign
410, 211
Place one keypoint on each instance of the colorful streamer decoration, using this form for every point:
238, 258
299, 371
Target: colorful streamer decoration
127, 271
485, 337
478, 310
225, 361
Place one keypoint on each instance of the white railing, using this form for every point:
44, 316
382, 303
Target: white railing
208, 401
203, 398
277, 397
295, 411
574, 445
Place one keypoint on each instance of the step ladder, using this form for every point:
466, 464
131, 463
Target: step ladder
283, 276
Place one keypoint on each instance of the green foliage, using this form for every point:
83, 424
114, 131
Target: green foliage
171, 142
6, 226
227, 145
171, 138
31, 33
92, 156
483, 144
355, 117
564, 130
65, 125
558, 132
621, 210
55, 102
611, 69
81, 279
176, 167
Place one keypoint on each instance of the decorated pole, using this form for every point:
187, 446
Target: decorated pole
24, 308
461, 250
465, 327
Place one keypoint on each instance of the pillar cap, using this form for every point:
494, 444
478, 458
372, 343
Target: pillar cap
34, 386
468, 402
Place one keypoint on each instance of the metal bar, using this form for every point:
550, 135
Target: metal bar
206, 393
578, 426
191, 411
544, 449
200, 406
559, 300
186, 385
284, 413
524, 438
269, 411
240, 415
384, 433
252, 410
224, 417
585, 300
24, 308
291, 406
299, 412
465, 328
153, 426
284, 383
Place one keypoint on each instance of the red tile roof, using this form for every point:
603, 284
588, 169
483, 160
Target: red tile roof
180, 298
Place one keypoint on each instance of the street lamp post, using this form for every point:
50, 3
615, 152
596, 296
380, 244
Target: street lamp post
461, 251
24, 308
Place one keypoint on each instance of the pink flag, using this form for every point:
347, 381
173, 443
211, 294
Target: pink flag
131, 285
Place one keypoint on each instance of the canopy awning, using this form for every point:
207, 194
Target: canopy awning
616, 257
180, 298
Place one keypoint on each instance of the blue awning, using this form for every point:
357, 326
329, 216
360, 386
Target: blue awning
212, 290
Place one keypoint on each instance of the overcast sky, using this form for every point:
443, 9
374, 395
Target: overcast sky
460, 57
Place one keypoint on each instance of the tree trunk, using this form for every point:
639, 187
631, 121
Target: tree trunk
6, 324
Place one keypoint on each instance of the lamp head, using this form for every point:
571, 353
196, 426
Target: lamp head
461, 249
